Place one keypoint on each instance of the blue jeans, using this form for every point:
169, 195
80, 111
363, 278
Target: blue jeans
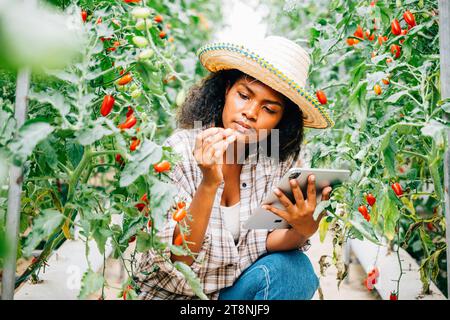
282, 275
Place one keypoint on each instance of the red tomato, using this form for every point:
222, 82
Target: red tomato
162, 166
158, 18
393, 296
125, 80
132, 238
382, 39
397, 189
363, 210
377, 89
385, 81
321, 96
376, 272
409, 18
129, 123
134, 143
129, 112
139, 206
107, 105
369, 36
162, 35
119, 159
396, 50
181, 205
370, 199
144, 198
125, 292
84, 15
350, 41
178, 240
359, 33
395, 27
179, 215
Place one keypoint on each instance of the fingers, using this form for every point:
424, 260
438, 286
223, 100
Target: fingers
298, 194
283, 199
217, 150
278, 212
212, 140
311, 190
199, 140
211, 143
326, 193
205, 134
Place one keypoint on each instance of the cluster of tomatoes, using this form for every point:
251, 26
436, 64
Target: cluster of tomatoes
370, 198
372, 278
363, 209
140, 14
361, 35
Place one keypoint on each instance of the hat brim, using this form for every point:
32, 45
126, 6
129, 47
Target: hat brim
222, 56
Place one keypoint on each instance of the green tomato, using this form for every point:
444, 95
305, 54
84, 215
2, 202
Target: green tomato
136, 93
141, 13
181, 96
146, 54
140, 42
133, 87
121, 88
141, 24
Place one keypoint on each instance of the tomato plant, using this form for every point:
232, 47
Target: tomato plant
385, 98
82, 127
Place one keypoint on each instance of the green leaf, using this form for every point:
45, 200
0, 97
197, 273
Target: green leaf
90, 134
446, 107
435, 130
389, 159
396, 96
320, 207
390, 214
148, 154
30, 134
323, 228
191, 278
43, 226
161, 200
7, 126
100, 233
52, 97
366, 230
178, 251
144, 241
90, 283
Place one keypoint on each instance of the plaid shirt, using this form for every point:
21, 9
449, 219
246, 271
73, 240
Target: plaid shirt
220, 261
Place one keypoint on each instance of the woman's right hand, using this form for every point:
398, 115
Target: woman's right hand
210, 145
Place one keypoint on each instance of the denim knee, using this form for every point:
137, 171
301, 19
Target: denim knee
291, 275
254, 280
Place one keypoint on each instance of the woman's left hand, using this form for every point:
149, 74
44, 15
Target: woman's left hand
300, 214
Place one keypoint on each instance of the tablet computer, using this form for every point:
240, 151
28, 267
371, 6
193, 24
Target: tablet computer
264, 219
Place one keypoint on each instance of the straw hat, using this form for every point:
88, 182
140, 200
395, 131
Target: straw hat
277, 62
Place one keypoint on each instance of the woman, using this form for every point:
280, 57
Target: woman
240, 130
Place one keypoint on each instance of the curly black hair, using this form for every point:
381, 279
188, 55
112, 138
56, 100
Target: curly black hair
205, 102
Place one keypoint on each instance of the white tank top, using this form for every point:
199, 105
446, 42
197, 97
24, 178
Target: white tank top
232, 219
